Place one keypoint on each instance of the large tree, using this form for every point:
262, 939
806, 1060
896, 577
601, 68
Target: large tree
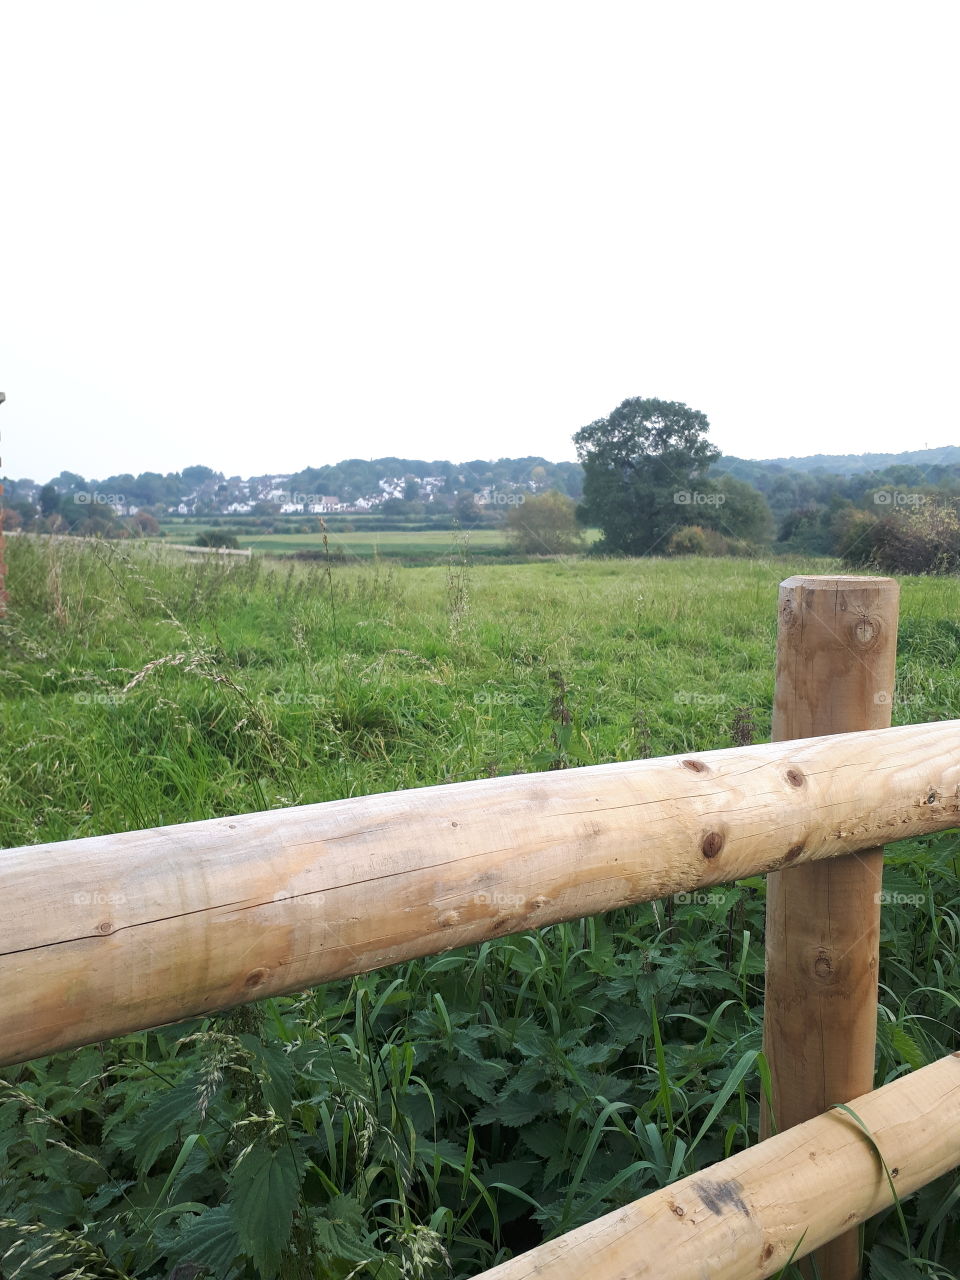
640, 463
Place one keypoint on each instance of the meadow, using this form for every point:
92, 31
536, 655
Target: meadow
344, 541
420, 546
432, 1119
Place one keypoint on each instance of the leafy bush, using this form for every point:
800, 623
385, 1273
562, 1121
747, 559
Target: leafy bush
545, 525
695, 540
217, 538
922, 539
691, 540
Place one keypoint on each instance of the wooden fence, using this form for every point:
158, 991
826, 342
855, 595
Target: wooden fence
113, 934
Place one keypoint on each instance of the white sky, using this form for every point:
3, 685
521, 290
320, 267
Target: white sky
268, 236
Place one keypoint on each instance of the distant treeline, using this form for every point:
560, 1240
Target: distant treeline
846, 505
357, 477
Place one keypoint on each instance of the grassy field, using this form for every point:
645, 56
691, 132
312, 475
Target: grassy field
407, 546
429, 1120
425, 545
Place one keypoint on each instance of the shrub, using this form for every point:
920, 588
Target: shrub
144, 524
216, 538
923, 539
690, 540
694, 540
545, 525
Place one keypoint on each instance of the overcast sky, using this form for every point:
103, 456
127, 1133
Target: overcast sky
268, 236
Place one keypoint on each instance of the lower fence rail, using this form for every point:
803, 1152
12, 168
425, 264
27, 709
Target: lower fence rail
747, 1217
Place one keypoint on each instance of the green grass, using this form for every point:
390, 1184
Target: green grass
425, 544
430, 1119
409, 546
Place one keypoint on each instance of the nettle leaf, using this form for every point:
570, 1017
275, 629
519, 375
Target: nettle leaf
341, 1233
604, 1086
265, 1193
513, 1110
339, 1070
525, 1079
532, 1041
589, 1055
467, 1040
899, 1043
209, 1239
639, 985
158, 1125
718, 980
274, 1072
10, 1135
545, 1139
907, 1047
629, 1022
85, 1066
480, 1078
108, 1192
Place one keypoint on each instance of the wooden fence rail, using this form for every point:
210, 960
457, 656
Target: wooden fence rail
116, 933
746, 1217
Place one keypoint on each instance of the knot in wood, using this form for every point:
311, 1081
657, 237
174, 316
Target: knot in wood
865, 630
711, 844
695, 766
823, 967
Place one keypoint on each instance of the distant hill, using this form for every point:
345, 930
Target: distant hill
848, 464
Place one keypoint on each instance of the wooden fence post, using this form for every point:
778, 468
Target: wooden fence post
836, 657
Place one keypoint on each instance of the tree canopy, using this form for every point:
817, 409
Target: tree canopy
645, 472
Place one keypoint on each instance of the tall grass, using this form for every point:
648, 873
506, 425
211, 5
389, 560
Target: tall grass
428, 1120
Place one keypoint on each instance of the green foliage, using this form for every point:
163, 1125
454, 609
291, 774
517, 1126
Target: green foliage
743, 514
642, 467
924, 538
429, 1119
695, 540
691, 540
544, 525
216, 538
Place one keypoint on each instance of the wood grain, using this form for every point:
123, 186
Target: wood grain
836, 666
115, 933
